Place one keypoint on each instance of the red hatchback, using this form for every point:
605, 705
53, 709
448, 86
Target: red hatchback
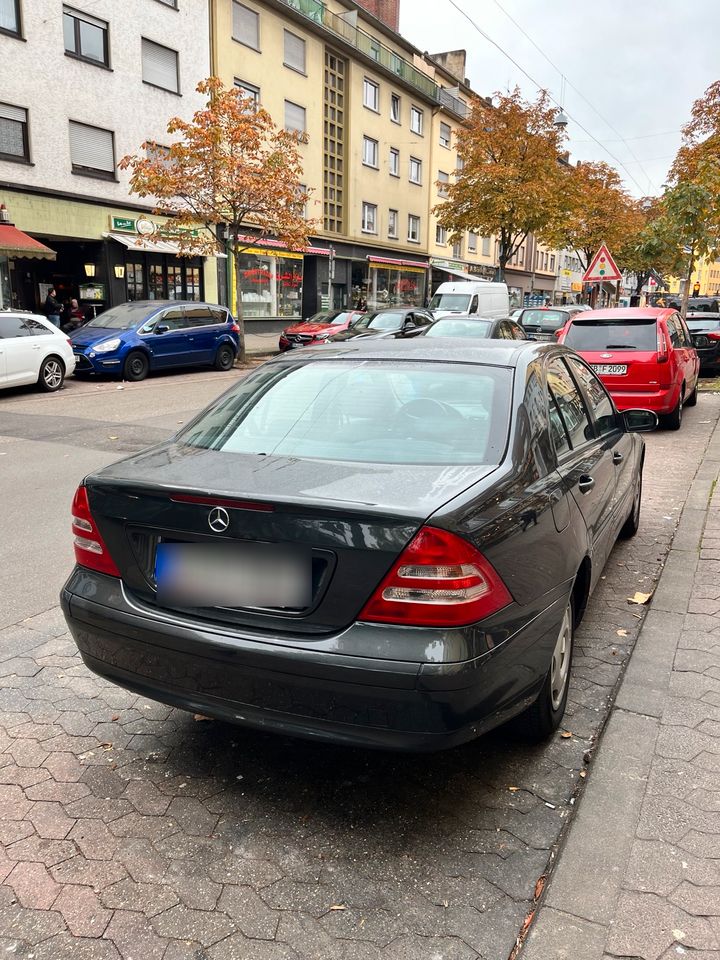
644, 356
318, 328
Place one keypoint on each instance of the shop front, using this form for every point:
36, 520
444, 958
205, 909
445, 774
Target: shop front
393, 283
16, 249
271, 281
453, 271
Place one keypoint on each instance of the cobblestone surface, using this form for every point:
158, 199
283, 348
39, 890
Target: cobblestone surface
132, 830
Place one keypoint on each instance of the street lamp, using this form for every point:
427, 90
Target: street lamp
560, 121
120, 271
89, 269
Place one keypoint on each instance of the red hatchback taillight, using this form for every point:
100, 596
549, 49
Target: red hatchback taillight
439, 580
90, 549
713, 336
662, 349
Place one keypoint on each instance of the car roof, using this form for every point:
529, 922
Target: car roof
161, 304
626, 313
503, 353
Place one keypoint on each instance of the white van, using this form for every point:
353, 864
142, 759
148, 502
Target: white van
474, 297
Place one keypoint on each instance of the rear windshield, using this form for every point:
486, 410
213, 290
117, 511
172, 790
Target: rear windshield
544, 319
712, 323
402, 412
612, 335
459, 328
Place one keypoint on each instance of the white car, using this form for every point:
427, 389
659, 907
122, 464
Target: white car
32, 350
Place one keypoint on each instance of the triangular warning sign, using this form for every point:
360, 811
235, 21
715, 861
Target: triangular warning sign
602, 267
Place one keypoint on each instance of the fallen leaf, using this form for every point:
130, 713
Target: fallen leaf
106, 746
583, 773
338, 906
114, 717
112, 438
622, 633
639, 598
198, 717
566, 734
513, 789
539, 887
526, 924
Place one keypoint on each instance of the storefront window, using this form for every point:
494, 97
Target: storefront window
271, 284
174, 282
390, 286
5, 296
192, 283
156, 289
134, 278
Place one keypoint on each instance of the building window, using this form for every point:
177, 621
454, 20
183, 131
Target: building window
294, 117
14, 143
374, 49
156, 151
160, 66
443, 183
92, 151
457, 250
416, 120
440, 235
85, 37
413, 228
246, 25
552, 261
248, 90
445, 134
395, 108
486, 246
370, 152
294, 52
393, 224
369, 218
459, 164
10, 17
472, 242
415, 170
371, 95
302, 194
394, 162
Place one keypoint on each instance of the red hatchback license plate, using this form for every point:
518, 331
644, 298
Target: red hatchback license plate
610, 369
232, 575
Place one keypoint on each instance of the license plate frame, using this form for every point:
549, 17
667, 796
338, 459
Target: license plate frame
610, 369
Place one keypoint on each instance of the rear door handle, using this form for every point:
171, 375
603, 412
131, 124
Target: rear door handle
617, 457
585, 483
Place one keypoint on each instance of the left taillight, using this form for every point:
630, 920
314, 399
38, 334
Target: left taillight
90, 548
235, 328
439, 580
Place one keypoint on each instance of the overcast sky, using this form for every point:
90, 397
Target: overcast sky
640, 63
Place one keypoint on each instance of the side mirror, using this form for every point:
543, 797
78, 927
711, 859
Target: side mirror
162, 328
640, 421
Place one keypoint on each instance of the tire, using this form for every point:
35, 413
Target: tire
631, 525
136, 366
691, 401
673, 420
542, 718
52, 374
224, 358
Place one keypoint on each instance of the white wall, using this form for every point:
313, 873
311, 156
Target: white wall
55, 88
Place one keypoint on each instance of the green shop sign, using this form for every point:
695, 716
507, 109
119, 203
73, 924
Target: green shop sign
124, 224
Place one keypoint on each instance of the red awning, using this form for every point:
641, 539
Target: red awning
399, 263
15, 243
276, 244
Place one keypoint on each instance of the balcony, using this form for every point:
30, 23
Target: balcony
456, 106
369, 46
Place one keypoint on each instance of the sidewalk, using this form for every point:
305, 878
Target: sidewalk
639, 873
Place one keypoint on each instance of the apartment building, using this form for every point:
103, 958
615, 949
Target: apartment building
82, 85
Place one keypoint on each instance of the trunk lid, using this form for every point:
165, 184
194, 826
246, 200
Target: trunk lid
351, 520
624, 353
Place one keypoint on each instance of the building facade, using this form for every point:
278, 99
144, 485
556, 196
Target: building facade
106, 77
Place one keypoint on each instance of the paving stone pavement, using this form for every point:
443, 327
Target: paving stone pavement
133, 830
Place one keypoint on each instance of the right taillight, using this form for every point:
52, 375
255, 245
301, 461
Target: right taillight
90, 549
439, 580
713, 336
662, 350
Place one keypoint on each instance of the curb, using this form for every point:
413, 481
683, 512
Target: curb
579, 902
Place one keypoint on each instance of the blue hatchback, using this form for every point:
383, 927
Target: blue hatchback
134, 338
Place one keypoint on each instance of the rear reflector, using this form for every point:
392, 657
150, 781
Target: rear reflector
222, 502
90, 549
439, 580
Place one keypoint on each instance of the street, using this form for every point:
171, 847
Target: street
130, 829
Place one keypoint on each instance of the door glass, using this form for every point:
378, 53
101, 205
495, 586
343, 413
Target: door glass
11, 327
220, 316
570, 404
596, 395
558, 433
192, 277
674, 333
37, 329
198, 316
134, 281
174, 278
156, 282
174, 318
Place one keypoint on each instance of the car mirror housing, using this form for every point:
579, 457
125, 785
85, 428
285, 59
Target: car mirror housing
640, 421
162, 328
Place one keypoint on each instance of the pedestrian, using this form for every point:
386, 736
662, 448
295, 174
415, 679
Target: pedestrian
53, 307
74, 317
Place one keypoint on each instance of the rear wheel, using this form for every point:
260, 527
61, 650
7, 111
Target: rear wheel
225, 357
543, 717
673, 419
52, 374
692, 399
136, 366
630, 527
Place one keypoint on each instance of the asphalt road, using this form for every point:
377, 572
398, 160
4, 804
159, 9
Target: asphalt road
132, 830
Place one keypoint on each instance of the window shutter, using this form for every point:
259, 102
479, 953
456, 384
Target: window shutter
294, 117
91, 147
294, 51
245, 25
159, 65
11, 130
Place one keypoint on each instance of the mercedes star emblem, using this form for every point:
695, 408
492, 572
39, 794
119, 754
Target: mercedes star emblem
218, 519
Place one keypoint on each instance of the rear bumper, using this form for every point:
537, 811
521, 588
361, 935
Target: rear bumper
297, 690
661, 401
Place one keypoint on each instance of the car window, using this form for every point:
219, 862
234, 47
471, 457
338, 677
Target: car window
36, 328
674, 333
558, 433
409, 412
596, 395
11, 327
199, 316
149, 327
696, 325
570, 404
547, 320
616, 334
423, 319
174, 318
684, 332
458, 328
517, 331
474, 304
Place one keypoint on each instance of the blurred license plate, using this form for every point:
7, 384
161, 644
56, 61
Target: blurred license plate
613, 369
232, 575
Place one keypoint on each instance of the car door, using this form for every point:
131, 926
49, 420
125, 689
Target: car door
204, 330
692, 369
168, 347
584, 460
21, 353
610, 428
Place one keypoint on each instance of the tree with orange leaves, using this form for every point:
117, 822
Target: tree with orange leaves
701, 137
230, 165
511, 183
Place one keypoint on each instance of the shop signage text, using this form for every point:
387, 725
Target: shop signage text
123, 224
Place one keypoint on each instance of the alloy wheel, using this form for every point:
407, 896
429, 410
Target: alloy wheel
560, 667
52, 374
